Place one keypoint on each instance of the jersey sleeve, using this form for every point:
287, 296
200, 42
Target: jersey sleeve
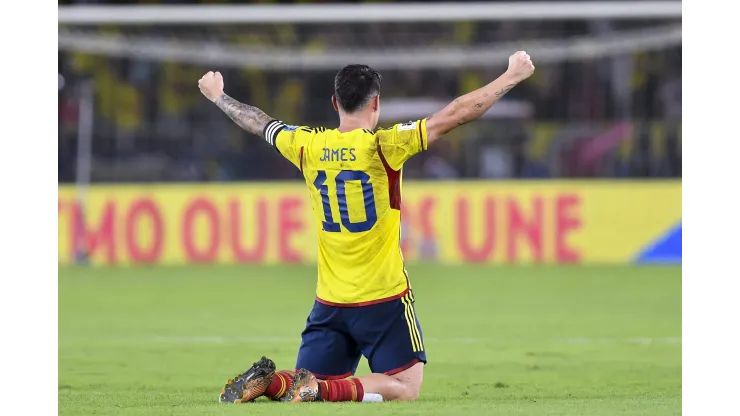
402, 141
288, 140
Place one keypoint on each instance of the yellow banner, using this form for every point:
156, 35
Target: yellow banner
460, 222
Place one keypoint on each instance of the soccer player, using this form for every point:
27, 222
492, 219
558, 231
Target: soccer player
364, 303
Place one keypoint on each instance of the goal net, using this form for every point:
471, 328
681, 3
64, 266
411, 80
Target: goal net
605, 99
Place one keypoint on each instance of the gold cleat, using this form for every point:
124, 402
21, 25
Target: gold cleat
305, 388
249, 385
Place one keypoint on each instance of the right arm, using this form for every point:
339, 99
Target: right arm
248, 117
474, 104
254, 120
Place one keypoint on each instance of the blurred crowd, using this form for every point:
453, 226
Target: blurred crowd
611, 117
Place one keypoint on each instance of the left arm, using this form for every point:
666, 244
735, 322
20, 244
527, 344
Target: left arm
474, 104
248, 117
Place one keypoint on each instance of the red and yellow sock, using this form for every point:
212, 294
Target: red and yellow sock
281, 383
346, 390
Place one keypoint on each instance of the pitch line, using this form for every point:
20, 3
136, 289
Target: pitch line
296, 340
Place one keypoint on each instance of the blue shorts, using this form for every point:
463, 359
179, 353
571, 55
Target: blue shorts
387, 334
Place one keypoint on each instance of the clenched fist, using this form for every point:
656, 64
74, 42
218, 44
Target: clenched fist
520, 66
211, 85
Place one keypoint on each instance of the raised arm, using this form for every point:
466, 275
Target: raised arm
250, 118
474, 104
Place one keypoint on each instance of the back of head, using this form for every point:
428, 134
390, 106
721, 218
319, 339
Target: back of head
355, 86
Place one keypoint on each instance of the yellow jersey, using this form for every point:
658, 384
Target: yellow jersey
354, 181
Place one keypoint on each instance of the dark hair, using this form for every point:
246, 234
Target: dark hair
355, 86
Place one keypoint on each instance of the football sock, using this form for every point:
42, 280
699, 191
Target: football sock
346, 390
281, 383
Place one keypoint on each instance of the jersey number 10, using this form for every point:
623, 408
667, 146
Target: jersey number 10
371, 216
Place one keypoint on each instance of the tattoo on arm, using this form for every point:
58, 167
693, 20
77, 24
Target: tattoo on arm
250, 118
505, 90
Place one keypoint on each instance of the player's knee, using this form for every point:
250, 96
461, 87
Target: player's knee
406, 392
412, 393
411, 380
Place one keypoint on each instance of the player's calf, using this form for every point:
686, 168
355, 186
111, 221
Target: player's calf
306, 388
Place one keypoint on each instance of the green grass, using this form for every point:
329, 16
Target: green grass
506, 341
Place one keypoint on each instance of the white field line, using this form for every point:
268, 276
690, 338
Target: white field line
493, 340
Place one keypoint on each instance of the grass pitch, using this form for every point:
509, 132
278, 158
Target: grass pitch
506, 341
